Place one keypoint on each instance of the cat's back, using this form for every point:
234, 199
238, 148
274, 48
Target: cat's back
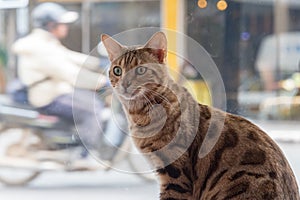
245, 163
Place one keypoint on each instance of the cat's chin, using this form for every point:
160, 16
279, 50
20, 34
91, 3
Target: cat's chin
128, 98
131, 97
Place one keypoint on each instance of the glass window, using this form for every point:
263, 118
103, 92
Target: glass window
255, 45
105, 18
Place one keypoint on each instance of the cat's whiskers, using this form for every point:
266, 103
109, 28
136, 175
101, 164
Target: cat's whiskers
157, 94
148, 102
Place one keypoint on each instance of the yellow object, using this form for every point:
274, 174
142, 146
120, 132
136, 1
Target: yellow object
200, 91
171, 22
222, 5
170, 19
202, 3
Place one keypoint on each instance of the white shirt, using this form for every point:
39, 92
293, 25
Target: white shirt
41, 55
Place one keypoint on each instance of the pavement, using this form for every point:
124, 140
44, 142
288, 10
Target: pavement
83, 185
281, 131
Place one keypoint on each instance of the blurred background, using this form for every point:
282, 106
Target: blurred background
254, 43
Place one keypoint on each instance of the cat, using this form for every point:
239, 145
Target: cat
199, 152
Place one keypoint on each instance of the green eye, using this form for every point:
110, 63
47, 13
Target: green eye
117, 71
141, 70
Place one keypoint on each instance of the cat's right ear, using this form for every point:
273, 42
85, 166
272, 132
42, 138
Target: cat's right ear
113, 48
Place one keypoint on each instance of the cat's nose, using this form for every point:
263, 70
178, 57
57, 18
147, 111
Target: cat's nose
126, 84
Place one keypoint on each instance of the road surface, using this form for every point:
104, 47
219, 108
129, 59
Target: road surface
83, 185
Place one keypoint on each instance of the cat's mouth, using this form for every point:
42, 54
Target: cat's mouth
132, 95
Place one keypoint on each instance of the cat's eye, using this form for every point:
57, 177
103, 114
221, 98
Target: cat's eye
141, 70
117, 71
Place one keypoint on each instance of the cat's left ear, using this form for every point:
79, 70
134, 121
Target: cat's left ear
158, 44
113, 48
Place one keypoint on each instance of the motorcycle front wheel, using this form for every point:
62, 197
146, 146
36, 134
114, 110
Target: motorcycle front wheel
16, 167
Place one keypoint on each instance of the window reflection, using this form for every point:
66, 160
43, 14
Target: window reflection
254, 43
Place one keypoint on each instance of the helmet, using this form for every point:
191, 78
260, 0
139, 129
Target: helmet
52, 12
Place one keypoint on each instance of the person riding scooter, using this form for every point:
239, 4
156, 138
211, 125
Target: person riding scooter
50, 71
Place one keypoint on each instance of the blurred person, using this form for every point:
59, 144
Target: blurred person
278, 58
50, 72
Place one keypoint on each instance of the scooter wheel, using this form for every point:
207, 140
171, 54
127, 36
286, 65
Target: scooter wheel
15, 169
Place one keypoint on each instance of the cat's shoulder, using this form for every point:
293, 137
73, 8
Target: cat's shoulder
231, 121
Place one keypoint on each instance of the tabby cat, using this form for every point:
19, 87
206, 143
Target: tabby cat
199, 152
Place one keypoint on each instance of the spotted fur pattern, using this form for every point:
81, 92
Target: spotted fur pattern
172, 130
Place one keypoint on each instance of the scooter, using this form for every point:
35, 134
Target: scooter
32, 143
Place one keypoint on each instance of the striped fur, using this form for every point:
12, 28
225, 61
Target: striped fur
170, 127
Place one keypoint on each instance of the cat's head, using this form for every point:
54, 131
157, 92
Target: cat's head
134, 71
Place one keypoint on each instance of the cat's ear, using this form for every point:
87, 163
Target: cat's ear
113, 48
158, 44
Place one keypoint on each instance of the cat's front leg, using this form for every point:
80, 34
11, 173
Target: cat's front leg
174, 192
174, 185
